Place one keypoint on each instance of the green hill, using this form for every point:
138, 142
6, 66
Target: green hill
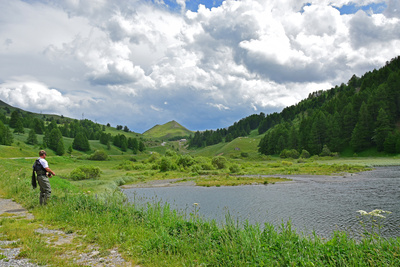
168, 131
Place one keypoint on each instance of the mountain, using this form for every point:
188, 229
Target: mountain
168, 131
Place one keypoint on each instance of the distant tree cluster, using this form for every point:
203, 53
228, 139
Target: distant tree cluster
124, 143
360, 115
240, 128
6, 137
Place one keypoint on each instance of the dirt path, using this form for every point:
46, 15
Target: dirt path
9, 254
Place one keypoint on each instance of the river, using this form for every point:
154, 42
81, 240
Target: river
312, 203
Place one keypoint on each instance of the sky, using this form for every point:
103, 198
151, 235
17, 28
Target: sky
204, 64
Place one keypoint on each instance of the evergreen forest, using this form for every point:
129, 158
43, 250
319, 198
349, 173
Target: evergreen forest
359, 115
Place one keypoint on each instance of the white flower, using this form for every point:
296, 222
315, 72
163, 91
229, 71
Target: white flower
362, 212
375, 213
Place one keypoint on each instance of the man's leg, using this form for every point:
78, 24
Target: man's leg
45, 189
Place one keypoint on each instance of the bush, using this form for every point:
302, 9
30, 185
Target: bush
304, 154
219, 162
244, 154
185, 161
287, 163
85, 172
326, 152
166, 164
292, 153
99, 155
154, 157
234, 168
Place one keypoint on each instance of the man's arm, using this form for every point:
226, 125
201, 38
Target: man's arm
50, 171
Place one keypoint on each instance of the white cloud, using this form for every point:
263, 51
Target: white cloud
136, 56
25, 93
218, 106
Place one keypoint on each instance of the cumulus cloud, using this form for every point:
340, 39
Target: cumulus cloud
137, 56
27, 93
368, 30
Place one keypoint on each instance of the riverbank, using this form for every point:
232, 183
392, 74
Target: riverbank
159, 236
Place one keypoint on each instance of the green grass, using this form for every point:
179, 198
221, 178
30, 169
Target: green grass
155, 235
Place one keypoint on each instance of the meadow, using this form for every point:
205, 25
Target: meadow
155, 235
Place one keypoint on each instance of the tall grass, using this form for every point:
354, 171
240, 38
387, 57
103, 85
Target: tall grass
155, 235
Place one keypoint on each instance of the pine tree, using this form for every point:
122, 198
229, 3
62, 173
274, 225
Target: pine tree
6, 137
382, 129
81, 142
361, 136
19, 127
15, 117
38, 126
142, 147
54, 139
32, 138
60, 147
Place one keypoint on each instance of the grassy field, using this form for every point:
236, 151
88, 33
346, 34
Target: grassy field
155, 235
158, 236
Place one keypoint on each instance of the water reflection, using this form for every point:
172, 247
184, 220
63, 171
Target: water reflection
322, 204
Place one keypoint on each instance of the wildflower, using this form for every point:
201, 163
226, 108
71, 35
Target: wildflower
374, 213
362, 212
195, 204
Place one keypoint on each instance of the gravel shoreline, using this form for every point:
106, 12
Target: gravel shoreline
9, 256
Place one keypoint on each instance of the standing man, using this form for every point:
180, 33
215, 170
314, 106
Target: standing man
43, 174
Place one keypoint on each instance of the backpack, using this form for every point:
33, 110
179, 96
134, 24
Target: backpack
37, 166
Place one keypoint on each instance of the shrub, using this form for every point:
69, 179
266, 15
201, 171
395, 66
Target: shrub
325, 151
304, 154
99, 155
292, 153
244, 154
234, 168
219, 162
185, 161
154, 157
166, 164
85, 172
287, 163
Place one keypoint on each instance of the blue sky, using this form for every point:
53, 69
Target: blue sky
145, 62
376, 8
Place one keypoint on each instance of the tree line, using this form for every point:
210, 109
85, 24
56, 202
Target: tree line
80, 130
241, 128
362, 114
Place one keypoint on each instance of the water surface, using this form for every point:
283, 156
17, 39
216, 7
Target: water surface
312, 203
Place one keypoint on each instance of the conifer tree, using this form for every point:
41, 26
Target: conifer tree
32, 138
60, 147
54, 138
6, 137
15, 117
19, 127
382, 129
81, 142
361, 136
38, 126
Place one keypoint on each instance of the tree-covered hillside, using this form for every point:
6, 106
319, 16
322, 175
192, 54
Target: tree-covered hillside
53, 128
362, 114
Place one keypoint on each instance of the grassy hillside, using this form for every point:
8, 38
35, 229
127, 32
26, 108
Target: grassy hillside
167, 131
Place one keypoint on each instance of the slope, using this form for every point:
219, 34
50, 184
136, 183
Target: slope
169, 130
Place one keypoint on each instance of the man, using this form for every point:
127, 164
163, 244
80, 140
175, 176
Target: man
43, 174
